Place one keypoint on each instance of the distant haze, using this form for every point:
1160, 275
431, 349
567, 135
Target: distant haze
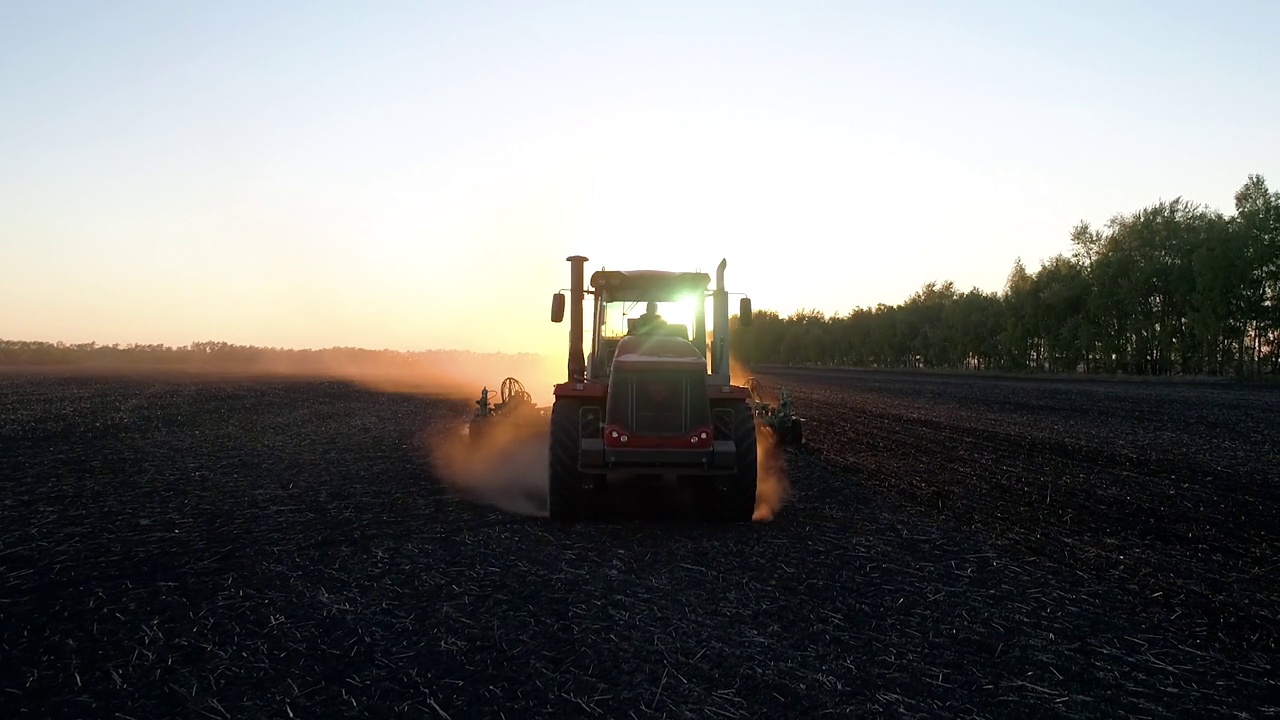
412, 175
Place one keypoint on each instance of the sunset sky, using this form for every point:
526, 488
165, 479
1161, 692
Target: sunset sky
412, 174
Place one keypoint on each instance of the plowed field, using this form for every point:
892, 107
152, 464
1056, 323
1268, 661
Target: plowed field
953, 547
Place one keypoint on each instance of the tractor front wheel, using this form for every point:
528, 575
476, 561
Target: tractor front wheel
737, 502
566, 499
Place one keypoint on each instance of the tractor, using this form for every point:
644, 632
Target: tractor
652, 402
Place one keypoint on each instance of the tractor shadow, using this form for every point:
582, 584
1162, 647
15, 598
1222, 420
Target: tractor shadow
649, 503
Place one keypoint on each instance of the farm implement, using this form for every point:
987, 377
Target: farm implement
781, 420
649, 403
515, 407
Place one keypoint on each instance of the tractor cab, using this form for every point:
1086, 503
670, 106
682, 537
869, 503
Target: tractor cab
645, 304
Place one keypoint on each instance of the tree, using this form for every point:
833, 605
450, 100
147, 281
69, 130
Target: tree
1174, 287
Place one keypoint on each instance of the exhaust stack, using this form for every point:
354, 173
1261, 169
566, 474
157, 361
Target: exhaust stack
577, 362
720, 327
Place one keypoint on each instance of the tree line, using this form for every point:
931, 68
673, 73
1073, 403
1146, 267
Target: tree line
214, 353
1175, 288
223, 357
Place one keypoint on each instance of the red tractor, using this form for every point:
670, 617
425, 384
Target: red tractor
652, 403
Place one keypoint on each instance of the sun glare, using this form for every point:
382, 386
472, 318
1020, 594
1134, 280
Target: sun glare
618, 315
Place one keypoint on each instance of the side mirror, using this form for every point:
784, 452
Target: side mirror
557, 308
744, 312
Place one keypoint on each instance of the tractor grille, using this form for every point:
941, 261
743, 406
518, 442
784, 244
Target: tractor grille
660, 406
659, 403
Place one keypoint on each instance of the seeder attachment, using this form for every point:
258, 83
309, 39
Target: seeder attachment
787, 428
514, 404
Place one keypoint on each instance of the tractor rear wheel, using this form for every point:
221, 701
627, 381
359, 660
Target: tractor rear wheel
566, 498
737, 503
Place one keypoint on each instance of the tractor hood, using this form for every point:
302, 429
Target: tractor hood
659, 352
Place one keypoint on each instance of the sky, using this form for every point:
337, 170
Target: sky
412, 175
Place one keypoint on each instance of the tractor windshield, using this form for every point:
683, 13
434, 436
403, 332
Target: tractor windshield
621, 317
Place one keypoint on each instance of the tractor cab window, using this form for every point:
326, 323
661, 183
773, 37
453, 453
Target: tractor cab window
624, 317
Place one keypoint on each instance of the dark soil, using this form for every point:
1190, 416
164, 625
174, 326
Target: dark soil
955, 548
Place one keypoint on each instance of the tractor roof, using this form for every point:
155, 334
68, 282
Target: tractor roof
660, 285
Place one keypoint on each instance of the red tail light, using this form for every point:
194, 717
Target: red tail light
701, 438
616, 436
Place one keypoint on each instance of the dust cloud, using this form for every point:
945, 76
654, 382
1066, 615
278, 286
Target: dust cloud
447, 374
773, 488
456, 376
506, 468
509, 470
738, 373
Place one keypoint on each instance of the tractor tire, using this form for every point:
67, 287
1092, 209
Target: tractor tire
566, 498
737, 503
